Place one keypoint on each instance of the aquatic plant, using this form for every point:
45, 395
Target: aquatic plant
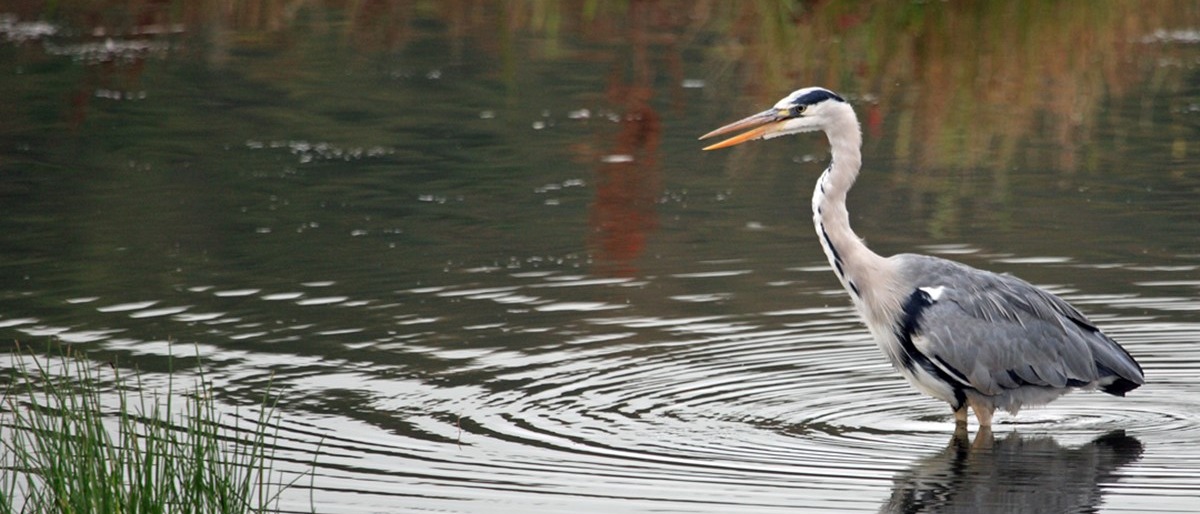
79, 437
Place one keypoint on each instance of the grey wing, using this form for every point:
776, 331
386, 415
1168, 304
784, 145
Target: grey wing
996, 332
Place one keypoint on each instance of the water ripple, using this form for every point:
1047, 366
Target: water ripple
786, 415
485, 397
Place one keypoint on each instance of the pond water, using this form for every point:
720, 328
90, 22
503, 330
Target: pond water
478, 253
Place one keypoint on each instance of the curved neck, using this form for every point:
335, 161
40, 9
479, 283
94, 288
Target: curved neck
861, 271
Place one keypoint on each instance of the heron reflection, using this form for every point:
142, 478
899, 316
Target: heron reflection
1017, 474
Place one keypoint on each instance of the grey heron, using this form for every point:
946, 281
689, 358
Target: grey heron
972, 338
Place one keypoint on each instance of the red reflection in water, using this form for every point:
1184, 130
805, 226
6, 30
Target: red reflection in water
113, 65
623, 213
627, 187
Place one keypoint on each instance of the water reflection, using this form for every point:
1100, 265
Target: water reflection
1017, 474
623, 214
475, 247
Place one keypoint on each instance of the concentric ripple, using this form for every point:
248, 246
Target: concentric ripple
709, 411
555, 392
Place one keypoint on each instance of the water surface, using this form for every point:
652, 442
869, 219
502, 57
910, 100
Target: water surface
479, 255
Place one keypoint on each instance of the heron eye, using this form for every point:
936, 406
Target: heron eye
798, 110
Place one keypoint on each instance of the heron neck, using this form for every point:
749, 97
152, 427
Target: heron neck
861, 271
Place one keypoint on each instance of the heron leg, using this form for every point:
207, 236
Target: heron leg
983, 413
960, 416
983, 439
961, 438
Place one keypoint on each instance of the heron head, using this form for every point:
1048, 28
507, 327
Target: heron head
805, 110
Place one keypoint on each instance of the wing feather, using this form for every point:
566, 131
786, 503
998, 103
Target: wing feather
1001, 333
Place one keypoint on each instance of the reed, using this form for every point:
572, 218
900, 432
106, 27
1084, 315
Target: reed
78, 437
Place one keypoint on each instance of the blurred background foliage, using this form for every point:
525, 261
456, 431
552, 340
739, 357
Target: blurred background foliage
958, 88
981, 75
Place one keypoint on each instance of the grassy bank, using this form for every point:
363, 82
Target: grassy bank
78, 437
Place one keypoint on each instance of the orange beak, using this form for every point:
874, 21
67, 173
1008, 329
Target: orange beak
758, 124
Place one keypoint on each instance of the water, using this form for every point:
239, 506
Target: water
489, 270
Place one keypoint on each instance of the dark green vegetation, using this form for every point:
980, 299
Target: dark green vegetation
80, 437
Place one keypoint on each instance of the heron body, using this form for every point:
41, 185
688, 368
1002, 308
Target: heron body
972, 338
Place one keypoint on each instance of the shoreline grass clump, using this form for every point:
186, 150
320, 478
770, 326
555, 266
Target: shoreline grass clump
78, 437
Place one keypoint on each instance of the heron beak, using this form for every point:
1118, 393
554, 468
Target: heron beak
759, 124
